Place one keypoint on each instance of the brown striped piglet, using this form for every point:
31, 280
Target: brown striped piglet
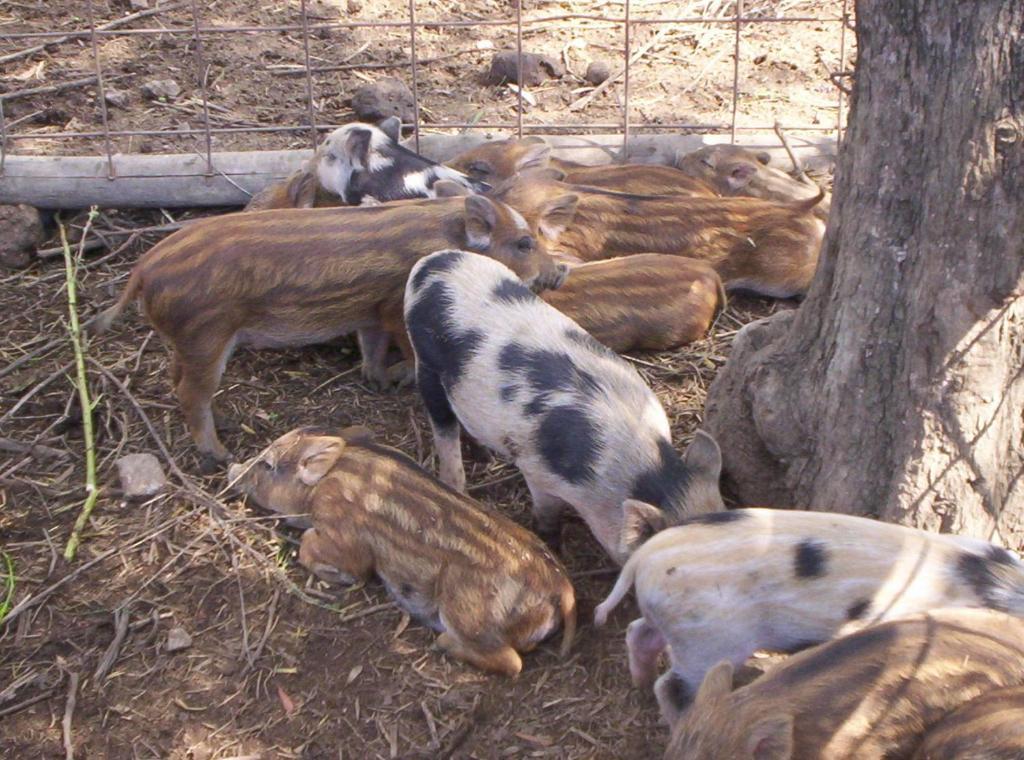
727, 584
360, 164
293, 277
489, 587
989, 727
531, 385
761, 246
870, 695
648, 302
735, 170
499, 160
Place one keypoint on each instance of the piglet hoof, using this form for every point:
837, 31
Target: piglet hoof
210, 464
402, 374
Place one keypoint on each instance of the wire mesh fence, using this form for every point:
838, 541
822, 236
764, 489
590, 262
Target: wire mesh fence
201, 28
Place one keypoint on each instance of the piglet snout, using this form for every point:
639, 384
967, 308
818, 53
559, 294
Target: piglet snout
551, 280
234, 473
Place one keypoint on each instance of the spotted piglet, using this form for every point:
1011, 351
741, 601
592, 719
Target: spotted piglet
527, 382
724, 585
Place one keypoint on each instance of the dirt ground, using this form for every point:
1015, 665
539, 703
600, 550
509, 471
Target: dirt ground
279, 666
685, 75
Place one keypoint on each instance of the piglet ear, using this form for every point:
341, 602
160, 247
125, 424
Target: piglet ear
533, 155
392, 127
318, 456
772, 738
717, 683
481, 219
302, 189
557, 215
741, 174
447, 188
358, 148
704, 457
640, 521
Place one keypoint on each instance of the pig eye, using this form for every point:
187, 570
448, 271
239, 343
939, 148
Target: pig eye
479, 169
331, 157
266, 464
525, 244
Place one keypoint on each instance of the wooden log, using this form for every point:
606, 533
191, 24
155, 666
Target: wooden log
182, 180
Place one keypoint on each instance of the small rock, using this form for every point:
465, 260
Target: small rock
354, 6
141, 475
117, 98
597, 72
21, 232
139, 5
178, 639
161, 88
385, 97
536, 68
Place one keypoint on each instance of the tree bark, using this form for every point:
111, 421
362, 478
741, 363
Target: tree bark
896, 390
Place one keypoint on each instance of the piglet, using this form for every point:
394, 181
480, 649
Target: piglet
724, 585
735, 170
989, 727
361, 164
867, 696
499, 160
647, 302
488, 586
531, 385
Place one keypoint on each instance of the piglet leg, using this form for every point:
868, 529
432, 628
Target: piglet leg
547, 515
373, 345
644, 644
445, 426
199, 372
502, 659
332, 563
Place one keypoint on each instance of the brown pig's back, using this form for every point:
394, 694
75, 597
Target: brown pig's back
241, 268
407, 513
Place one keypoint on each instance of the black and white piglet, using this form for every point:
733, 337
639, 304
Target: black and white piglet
361, 164
530, 384
364, 163
727, 584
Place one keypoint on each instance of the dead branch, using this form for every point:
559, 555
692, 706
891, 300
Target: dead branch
798, 166
59, 87
109, 25
69, 711
121, 619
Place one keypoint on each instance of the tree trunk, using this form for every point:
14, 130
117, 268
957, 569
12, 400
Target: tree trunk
896, 390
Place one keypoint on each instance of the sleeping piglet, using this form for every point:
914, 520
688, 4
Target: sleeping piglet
724, 585
361, 164
528, 383
488, 586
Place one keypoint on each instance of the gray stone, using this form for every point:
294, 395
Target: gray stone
115, 97
597, 72
536, 68
385, 97
178, 639
141, 475
21, 233
161, 88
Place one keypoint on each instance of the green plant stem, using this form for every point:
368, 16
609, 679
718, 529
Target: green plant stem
8, 583
82, 383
